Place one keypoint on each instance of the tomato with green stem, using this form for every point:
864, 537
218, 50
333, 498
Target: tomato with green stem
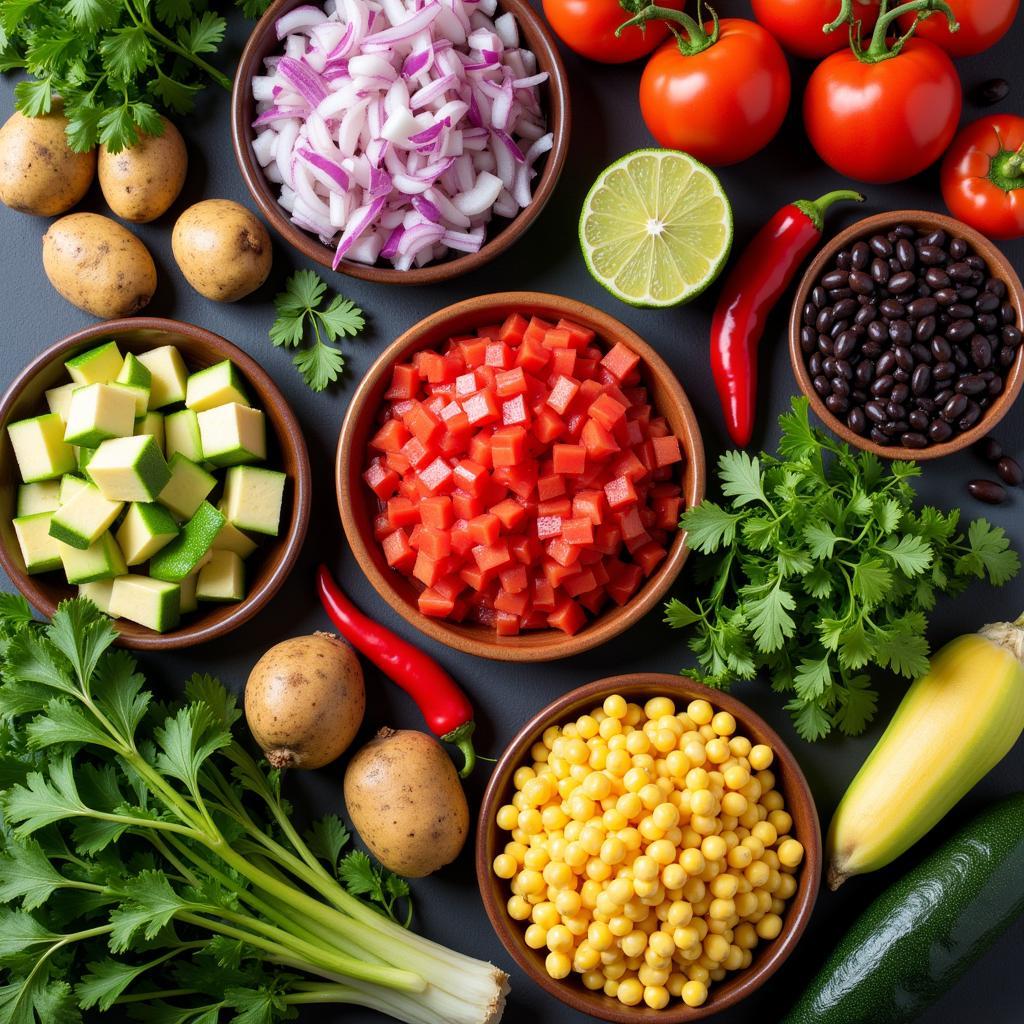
983, 176
884, 111
588, 28
799, 25
718, 91
982, 24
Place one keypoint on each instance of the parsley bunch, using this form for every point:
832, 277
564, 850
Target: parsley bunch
298, 310
149, 864
113, 63
819, 567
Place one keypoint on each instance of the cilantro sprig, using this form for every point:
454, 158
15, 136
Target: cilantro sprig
298, 310
112, 63
818, 567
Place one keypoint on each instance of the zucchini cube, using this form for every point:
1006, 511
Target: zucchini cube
185, 554
70, 485
222, 578
216, 385
130, 468
84, 516
231, 538
151, 603
99, 365
58, 400
41, 497
135, 373
188, 593
188, 486
153, 424
147, 527
181, 431
98, 592
99, 412
139, 395
168, 375
253, 497
100, 561
232, 434
40, 448
39, 551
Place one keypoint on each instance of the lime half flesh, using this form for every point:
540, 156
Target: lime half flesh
656, 228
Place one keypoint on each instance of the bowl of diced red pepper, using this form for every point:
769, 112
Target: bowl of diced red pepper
511, 472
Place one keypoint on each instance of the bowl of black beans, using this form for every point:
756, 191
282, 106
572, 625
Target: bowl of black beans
906, 335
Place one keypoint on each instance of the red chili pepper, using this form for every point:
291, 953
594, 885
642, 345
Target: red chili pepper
754, 285
445, 707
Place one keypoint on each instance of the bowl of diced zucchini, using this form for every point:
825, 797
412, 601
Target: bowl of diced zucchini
155, 468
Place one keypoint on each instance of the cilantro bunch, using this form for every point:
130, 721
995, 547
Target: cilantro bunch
113, 63
298, 309
149, 865
818, 567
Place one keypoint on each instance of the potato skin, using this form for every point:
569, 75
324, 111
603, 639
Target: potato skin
141, 182
304, 701
222, 248
39, 172
405, 800
98, 265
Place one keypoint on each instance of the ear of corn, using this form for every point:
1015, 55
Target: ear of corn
953, 726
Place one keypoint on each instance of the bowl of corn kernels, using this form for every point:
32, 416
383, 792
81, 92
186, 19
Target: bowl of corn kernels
648, 850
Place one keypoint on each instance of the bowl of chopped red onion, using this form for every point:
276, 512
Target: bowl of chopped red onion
401, 141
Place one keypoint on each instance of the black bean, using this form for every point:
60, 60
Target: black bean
954, 408
834, 279
900, 393
819, 297
941, 349
864, 372
921, 353
841, 386
946, 296
995, 387
900, 282
878, 331
943, 396
989, 449
844, 260
900, 375
971, 416
930, 255
913, 439
1009, 471
959, 331
859, 395
894, 410
844, 368
960, 271
826, 318
865, 315
936, 278
808, 340
937, 237
1007, 355
837, 405
810, 314
814, 364
987, 322
987, 302
856, 421
996, 287
904, 358
927, 405
846, 345
845, 308
918, 419
828, 366
821, 385
906, 254
977, 263
860, 254
921, 381
1011, 336
972, 384
925, 328
871, 348
875, 411
960, 311
880, 246
939, 431
892, 309
883, 385
861, 283
922, 307
961, 360
1008, 313
825, 344
987, 491
990, 92
879, 438
837, 328
835, 294
901, 332
894, 427
958, 248
981, 352
967, 292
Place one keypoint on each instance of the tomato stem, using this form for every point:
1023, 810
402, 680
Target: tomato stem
1007, 168
692, 40
879, 48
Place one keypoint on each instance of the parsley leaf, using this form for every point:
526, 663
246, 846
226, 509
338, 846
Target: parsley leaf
298, 309
817, 567
362, 877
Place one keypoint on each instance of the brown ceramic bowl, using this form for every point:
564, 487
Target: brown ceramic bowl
358, 506
768, 957
266, 568
999, 267
263, 42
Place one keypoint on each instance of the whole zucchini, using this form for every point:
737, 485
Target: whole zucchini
923, 932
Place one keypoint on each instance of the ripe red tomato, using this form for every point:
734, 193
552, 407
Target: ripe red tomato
884, 121
722, 104
983, 176
588, 27
982, 24
797, 24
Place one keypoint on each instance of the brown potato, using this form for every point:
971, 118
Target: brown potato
98, 265
405, 800
304, 701
39, 172
141, 182
222, 249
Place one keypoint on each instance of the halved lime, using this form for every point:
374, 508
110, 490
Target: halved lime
656, 228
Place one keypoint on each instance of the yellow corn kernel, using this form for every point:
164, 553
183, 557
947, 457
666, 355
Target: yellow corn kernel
586, 958
769, 926
545, 915
559, 939
507, 817
518, 908
673, 876
597, 869
609, 727
650, 795
717, 750
631, 837
535, 936
790, 853
558, 875
702, 802
591, 839
787, 886
656, 996
721, 909
700, 712
772, 801
696, 779
736, 778
716, 947
522, 776
614, 706
692, 860
630, 992
662, 852
661, 945
765, 831
739, 857
659, 707
637, 742
634, 943
739, 746
694, 993
505, 866
558, 965
713, 847
536, 858
620, 891
723, 723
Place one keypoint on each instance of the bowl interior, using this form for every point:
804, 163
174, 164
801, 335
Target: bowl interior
554, 95
999, 267
768, 957
265, 568
358, 506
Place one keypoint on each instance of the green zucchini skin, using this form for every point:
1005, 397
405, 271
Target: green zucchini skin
924, 931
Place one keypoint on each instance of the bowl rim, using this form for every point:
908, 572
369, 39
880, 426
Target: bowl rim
999, 266
799, 908
292, 437
543, 44
598, 630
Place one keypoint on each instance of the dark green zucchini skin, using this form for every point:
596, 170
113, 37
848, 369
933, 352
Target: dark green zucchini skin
923, 932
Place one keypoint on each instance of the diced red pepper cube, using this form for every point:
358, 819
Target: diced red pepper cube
435, 605
567, 616
480, 449
506, 624
397, 551
561, 507
520, 479
543, 594
562, 551
577, 531
381, 526
667, 511
398, 462
508, 446
629, 466
525, 549
404, 382
649, 557
424, 424
473, 576
485, 528
437, 477
630, 523
620, 492
562, 393
473, 351
548, 426
436, 543
513, 603
563, 362
403, 512
498, 355
625, 583
550, 486
620, 361
557, 338
555, 572
470, 476
428, 570
481, 408
510, 513
581, 583
513, 411
569, 458
461, 540
466, 506
549, 527
492, 556
380, 479
607, 411
533, 356
666, 450
390, 437
515, 579
536, 329
598, 441
513, 329
579, 335
437, 512
466, 384
510, 382
417, 452
589, 504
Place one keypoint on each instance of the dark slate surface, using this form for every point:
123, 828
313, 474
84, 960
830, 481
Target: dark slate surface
606, 125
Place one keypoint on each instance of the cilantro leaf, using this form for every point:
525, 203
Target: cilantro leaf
342, 317
327, 837
708, 526
26, 873
319, 365
990, 552
857, 703
741, 478
770, 618
911, 554
150, 905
